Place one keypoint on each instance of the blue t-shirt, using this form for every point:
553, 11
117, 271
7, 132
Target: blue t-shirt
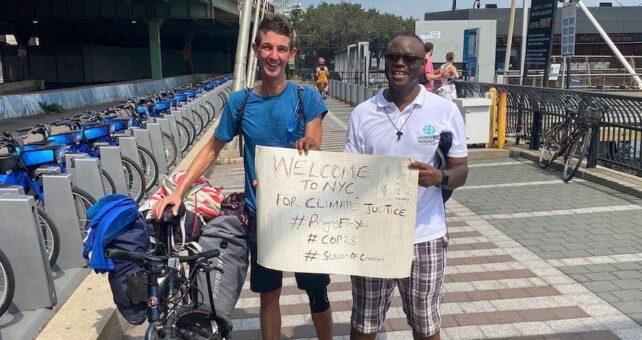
265, 122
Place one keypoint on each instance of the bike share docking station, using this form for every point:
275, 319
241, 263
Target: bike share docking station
86, 173
112, 164
166, 125
62, 209
23, 244
151, 139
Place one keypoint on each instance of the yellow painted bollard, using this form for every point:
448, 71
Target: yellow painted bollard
493, 116
501, 119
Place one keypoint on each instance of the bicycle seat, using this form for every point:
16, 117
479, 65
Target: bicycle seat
8, 162
168, 216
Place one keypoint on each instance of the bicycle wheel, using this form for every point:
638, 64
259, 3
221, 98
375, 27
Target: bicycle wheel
575, 154
195, 323
108, 183
550, 148
210, 115
49, 235
82, 202
183, 136
171, 151
198, 122
191, 129
7, 283
149, 167
134, 178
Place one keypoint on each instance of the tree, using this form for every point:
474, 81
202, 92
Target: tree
295, 15
324, 29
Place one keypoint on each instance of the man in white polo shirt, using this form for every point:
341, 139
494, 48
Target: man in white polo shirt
406, 120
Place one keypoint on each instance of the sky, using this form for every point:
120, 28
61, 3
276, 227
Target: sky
417, 8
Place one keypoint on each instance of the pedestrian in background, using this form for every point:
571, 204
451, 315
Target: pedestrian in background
429, 70
448, 74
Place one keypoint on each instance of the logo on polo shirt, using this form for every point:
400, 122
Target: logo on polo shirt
428, 135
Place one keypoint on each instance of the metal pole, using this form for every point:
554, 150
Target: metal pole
610, 43
241, 46
255, 61
509, 41
251, 69
522, 61
567, 61
563, 73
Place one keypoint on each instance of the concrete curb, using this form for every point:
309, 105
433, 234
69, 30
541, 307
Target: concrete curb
89, 312
620, 181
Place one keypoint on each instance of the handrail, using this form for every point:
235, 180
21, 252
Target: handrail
618, 140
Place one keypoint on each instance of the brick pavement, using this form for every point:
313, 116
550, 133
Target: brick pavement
513, 267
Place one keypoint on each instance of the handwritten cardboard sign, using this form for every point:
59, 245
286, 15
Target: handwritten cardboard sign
335, 213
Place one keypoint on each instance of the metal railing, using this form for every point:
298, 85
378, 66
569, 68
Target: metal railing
532, 110
595, 73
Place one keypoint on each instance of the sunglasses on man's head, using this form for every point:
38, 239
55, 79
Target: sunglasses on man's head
407, 59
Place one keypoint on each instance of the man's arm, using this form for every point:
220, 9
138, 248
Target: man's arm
203, 160
429, 176
457, 172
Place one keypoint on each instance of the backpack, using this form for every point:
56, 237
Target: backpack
116, 224
228, 234
202, 203
441, 160
241, 111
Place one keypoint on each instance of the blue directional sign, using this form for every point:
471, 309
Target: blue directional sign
568, 28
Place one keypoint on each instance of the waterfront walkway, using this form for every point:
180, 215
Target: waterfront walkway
530, 257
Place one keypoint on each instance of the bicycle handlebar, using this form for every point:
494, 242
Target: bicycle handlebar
140, 258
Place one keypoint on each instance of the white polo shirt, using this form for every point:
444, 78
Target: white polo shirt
371, 131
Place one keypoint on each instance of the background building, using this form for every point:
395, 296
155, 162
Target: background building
621, 23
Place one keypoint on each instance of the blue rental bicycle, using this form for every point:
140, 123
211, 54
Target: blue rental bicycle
17, 167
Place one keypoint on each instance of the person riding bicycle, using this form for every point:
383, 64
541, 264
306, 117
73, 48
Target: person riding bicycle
321, 75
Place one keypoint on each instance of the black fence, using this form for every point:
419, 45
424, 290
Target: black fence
532, 110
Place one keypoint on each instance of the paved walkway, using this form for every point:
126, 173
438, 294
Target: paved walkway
530, 257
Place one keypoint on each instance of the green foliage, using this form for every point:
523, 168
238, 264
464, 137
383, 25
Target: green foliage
50, 108
296, 14
327, 28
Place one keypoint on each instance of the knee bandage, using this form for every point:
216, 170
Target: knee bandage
318, 300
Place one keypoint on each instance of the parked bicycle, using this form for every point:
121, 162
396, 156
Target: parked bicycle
16, 168
92, 131
174, 302
7, 283
69, 138
571, 138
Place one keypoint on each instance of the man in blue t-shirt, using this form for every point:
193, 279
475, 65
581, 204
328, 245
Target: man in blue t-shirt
267, 120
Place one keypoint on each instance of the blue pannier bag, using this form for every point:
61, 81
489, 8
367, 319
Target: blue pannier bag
127, 281
116, 224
